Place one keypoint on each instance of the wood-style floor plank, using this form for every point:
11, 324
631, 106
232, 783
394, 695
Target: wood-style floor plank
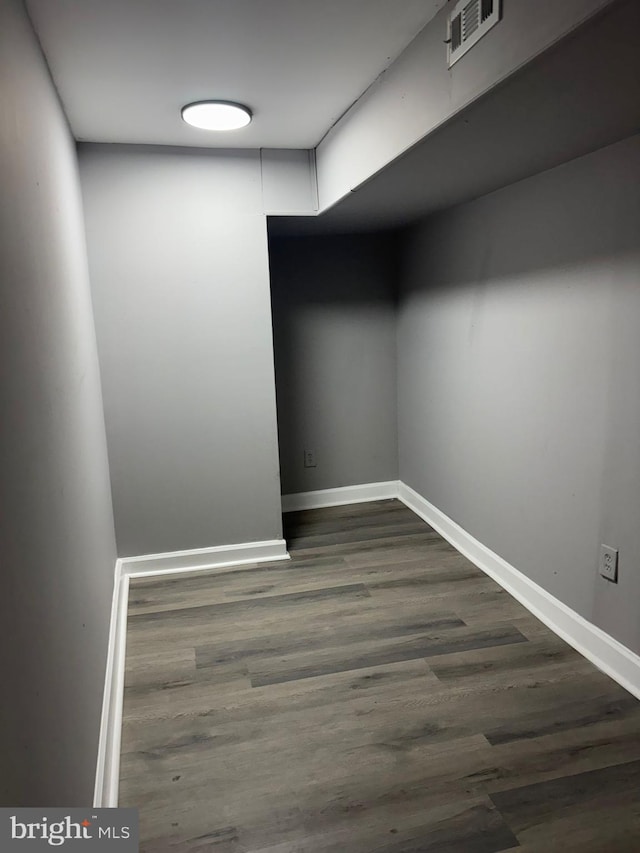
375, 694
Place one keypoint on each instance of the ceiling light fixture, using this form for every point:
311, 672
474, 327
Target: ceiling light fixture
216, 115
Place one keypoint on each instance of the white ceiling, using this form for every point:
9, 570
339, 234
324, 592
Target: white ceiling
124, 68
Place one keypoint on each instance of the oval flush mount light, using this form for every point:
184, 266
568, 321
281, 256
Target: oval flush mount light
216, 115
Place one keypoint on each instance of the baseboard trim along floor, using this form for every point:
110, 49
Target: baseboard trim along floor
173, 562
205, 558
341, 496
610, 656
105, 794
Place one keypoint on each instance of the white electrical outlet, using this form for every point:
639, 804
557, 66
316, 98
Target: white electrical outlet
609, 563
310, 459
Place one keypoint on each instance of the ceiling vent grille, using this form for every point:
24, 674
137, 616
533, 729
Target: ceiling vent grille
469, 20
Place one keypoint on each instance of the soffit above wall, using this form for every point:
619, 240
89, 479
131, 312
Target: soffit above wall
579, 96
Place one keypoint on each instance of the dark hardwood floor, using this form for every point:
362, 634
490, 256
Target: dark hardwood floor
375, 694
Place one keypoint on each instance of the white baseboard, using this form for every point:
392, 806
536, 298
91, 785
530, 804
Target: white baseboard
105, 793
196, 559
341, 496
600, 648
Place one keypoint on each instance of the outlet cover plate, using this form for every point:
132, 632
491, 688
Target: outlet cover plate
609, 563
310, 459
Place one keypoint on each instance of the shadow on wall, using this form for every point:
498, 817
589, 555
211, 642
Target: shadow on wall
333, 310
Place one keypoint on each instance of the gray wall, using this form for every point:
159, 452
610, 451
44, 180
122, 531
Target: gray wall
57, 547
519, 397
179, 272
334, 337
